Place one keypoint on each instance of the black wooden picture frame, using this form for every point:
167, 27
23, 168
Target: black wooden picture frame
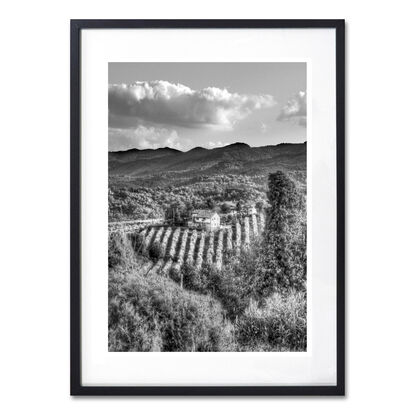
76, 387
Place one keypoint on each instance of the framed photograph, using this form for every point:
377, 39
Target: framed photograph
207, 207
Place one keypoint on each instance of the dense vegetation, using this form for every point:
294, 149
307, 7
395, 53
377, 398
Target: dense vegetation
254, 302
147, 199
138, 200
155, 314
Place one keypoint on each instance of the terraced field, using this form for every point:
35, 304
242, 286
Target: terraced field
182, 245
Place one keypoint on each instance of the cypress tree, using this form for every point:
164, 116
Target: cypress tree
285, 259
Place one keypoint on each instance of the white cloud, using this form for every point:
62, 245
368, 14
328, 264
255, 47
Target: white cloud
295, 109
142, 138
214, 144
162, 102
263, 128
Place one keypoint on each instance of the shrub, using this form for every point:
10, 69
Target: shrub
155, 251
175, 274
194, 279
120, 251
280, 325
155, 314
232, 286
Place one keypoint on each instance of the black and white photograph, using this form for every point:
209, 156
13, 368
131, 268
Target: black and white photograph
207, 207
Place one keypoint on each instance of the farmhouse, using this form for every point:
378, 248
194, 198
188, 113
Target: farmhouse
204, 219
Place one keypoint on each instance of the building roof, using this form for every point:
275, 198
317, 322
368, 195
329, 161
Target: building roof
204, 213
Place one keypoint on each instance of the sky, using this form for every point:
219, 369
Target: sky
186, 105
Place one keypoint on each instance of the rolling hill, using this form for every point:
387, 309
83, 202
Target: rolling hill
237, 158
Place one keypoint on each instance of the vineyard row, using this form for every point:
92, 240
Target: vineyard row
195, 247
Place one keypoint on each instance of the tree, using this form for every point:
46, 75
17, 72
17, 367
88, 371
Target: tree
225, 207
259, 205
155, 251
285, 260
189, 208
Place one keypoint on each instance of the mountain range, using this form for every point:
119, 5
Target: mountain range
237, 158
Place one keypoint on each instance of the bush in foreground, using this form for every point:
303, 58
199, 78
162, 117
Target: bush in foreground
280, 325
155, 314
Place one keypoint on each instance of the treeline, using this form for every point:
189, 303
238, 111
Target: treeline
140, 201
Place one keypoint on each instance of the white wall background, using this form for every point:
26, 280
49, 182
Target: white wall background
34, 172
